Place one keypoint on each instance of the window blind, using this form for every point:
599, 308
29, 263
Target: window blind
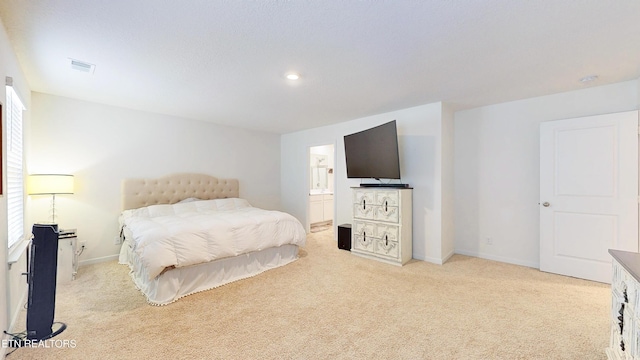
15, 177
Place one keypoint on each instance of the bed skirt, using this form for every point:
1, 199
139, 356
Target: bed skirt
176, 283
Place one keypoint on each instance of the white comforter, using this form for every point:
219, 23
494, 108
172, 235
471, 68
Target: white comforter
190, 233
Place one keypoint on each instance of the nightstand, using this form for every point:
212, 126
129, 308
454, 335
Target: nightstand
67, 256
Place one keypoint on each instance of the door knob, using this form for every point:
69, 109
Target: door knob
546, 204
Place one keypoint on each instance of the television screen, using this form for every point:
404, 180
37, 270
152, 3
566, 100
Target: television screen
373, 153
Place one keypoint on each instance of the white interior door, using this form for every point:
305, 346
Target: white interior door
588, 193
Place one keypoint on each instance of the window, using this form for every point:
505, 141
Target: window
15, 180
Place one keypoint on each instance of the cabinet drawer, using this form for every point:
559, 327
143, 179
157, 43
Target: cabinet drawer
387, 198
363, 236
615, 341
363, 212
636, 341
387, 241
364, 229
386, 213
386, 248
361, 242
624, 328
365, 197
387, 232
313, 198
632, 293
625, 286
628, 335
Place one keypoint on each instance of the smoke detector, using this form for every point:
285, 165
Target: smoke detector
589, 78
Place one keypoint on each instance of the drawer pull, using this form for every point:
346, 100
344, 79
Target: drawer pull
621, 319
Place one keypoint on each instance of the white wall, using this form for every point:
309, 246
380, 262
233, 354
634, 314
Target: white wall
102, 145
10, 300
448, 225
419, 135
497, 168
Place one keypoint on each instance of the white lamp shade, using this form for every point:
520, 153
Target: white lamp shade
47, 184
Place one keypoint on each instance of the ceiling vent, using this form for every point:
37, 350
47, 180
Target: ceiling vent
82, 66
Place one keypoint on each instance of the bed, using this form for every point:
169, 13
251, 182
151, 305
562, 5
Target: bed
186, 233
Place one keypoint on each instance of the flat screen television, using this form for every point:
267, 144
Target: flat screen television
373, 153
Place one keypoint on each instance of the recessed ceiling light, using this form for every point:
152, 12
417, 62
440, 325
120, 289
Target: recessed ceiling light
589, 78
293, 76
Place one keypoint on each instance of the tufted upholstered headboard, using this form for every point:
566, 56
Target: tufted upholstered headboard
171, 189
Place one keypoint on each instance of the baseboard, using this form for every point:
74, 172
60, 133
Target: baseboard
432, 260
23, 300
498, 258
448, 256
98, 260
11, 326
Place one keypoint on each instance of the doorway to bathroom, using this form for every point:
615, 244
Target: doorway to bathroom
321, 171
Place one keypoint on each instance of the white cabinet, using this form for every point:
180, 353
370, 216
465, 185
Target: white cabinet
624, 341
320, 208
316, 209
67, 256
327, 208
382, 224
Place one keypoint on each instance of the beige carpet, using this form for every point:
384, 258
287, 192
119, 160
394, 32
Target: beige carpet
331, 304
324, 226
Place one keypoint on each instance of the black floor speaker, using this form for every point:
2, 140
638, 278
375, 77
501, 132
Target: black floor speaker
344, 237
43, 266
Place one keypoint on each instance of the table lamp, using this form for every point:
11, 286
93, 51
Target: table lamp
50, 184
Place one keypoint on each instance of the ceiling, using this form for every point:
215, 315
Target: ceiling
224, 61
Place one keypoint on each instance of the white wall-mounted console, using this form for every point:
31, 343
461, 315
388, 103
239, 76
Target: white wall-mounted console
382, 224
